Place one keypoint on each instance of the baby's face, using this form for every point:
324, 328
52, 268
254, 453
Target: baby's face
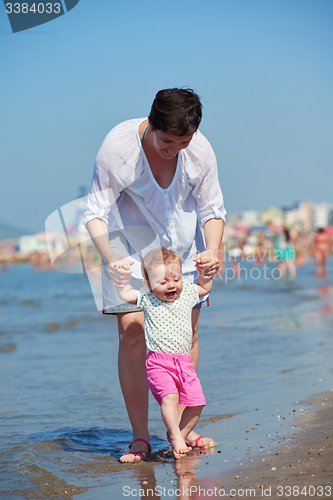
166, 281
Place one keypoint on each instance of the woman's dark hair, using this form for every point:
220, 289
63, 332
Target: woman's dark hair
286, 234
176, 111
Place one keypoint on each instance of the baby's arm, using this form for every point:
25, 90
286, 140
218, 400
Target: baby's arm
127, 294
204, 285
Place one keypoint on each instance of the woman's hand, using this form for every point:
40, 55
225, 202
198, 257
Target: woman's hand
118, 267
207, 264
120, 270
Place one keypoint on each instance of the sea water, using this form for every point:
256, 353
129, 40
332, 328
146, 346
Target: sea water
264, 344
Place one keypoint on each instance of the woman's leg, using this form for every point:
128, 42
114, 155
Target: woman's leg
291, 268
195, 342
320, 259
132, 377
282, 269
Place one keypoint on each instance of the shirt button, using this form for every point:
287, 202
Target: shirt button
171, 225
165, 190
174, 242
168, 208
213, 204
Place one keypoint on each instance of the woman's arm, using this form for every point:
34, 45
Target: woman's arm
213, 231
98, 232
107, 185
119, 267
207, 192
207, 262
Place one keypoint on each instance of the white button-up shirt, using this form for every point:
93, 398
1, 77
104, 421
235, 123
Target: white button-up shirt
138, 212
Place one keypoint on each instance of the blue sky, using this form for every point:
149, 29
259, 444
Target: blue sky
263, 68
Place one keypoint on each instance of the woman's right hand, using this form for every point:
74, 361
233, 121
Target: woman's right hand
120, 270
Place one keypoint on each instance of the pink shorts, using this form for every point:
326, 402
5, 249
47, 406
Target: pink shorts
174, 374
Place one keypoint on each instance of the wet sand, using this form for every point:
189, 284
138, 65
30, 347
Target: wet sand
300, 465
296, 464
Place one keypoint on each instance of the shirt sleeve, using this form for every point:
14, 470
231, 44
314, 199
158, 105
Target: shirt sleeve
204, 178
141, 301
114, 170
192, 292
102, 195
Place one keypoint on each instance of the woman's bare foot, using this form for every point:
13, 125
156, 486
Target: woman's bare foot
138, 451
193, 441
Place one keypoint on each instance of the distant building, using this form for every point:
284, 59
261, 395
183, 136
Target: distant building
330, 218
44, 243
33, 243
272, 214
251, 218
322, 214
303, 216
299, 216
305, 210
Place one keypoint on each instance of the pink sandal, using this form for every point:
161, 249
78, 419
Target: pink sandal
194, 444
141, 453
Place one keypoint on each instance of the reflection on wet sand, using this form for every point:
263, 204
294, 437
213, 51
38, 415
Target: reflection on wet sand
182, 483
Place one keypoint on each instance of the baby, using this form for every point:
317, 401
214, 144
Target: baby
167, 301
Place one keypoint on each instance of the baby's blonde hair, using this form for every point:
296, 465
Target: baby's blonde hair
155, 258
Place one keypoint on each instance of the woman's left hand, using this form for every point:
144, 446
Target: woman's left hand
207, 263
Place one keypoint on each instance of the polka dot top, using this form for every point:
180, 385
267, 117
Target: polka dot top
168, 325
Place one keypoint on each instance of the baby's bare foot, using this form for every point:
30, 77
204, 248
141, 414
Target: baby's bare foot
179, 447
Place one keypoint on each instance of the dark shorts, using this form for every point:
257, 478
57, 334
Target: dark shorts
124, 308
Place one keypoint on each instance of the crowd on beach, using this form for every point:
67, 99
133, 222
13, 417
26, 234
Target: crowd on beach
286, 247
11, 255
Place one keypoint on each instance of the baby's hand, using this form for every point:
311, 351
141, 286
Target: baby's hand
207, 264
120, 272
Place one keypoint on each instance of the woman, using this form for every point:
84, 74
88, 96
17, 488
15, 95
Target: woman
321, 250
287, 255
151, 176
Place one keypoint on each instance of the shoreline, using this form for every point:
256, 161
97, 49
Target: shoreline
298, 464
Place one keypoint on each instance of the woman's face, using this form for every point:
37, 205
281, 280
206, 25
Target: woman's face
168, 145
